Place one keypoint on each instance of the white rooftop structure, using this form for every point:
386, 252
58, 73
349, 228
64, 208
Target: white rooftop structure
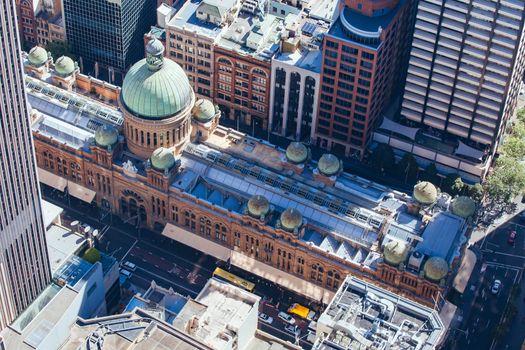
61, 243
220, 316
364, 316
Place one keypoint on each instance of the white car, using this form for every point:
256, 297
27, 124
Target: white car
286, 318
125, 273
496, 286
292, 329
265, 318
129, 265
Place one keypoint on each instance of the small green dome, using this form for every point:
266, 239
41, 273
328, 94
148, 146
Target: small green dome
156, 88
435, 268
425, 192
463, 206
64, 66
203, 110
296, 152
395, 252
106, 135
328, 164
162, 159
37, 56
258, 206
291, 219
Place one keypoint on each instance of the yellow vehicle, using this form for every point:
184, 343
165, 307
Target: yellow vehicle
236, 280
301, 311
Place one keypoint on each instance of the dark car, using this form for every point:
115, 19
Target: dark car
512, 237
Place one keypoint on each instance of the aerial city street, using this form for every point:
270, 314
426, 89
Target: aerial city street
262, 174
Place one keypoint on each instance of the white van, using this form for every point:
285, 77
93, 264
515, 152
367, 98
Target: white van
125, 273
129, 265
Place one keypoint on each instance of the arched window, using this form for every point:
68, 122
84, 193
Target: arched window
316, 273
224, 61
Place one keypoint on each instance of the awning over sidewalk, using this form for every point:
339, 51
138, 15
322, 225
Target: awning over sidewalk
51, 179
195, 241
80, 192
282, 278
465, 270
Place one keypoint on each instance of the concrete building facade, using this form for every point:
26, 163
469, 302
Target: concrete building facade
24, 264
361, 60
466, 66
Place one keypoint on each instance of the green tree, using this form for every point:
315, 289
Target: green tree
383, 158
520, 115
518, 129
514, 147
407, 168
92, 255
452, 184
506, 181
430, 174
476, 192
59, 49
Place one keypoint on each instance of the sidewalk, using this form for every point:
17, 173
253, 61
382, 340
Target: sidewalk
480, 234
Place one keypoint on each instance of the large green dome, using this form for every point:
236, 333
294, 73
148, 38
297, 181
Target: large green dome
37, 56
155, 87
162, 159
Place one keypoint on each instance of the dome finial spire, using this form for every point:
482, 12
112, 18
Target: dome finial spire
154, 54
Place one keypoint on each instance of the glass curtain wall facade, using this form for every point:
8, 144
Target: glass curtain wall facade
108, 32
24, 263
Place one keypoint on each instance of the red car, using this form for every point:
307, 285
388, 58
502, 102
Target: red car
512, 237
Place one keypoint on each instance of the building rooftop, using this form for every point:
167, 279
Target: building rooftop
327, 10
186, 18
253, 36
442, 236
67, 116
302, 58
50, 212
61, 243
362, 315
218, 313
363, 30
131, 331
35, 323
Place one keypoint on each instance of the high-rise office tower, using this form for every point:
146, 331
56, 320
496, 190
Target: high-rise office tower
24, 264
466, 66
362, 58
108, 32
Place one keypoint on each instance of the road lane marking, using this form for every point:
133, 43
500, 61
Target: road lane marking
129, 250
167, 280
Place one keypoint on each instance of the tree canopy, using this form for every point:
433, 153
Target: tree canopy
453, 184
514, 146
506, 181
59, 49
92, 255
383, 157
407, 168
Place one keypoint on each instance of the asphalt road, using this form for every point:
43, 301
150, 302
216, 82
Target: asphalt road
173, 265
503, 261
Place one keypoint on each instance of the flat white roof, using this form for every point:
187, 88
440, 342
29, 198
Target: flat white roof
61, 243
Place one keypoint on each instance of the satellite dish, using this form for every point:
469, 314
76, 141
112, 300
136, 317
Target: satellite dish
87, 229
74, 223
95, 233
